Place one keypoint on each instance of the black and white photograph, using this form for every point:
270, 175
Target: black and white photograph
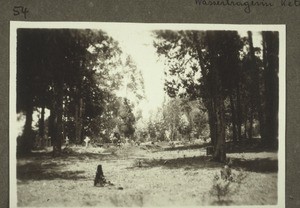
144, 114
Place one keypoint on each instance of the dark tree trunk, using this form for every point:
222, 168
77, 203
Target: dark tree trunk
215, 96
78, 120
245, 122
239, 112
27, 142
42, 126
255, 91
250, 129
271, 65
220, 154
52, 124
219, 108
53, 129
233, 119
76, 124
212, 120
58, 112
209, 101
42, 123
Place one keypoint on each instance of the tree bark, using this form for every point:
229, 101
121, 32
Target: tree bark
58, 109
76, 123
245, 126
218, 95
78, 120
220, 153
212, 121
233, 119
52, 124
239, 112
255, 91
42, 126
271, 65
209, 101
215, 96
250, 129
27, 142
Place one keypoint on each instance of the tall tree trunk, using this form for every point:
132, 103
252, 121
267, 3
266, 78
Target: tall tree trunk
27, 142
209, 101
52, 124
81, 110
78, 120
42, 126
58, 109
220, 153
215, 96
233, 118
256, 88
250, 128
212, 120
218, 95
239, 112
245, 122
271, 65
76, 123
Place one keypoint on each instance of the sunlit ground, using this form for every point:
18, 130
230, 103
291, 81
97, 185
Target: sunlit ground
164, 177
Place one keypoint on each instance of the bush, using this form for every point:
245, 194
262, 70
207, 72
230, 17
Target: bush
220, 188
224, 185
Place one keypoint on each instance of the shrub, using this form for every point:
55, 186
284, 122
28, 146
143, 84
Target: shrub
226, 184
220, 188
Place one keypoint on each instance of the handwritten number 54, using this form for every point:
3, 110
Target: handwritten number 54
20, 10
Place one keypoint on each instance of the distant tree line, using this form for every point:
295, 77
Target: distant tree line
177, 119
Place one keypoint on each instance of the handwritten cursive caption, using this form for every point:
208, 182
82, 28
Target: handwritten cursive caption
247, 5
20, 10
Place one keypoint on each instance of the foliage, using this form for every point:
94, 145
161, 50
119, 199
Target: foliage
227, 72
220, 187
224, 187
46, 59
126, 123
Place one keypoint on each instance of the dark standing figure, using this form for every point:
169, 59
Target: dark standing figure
99, 179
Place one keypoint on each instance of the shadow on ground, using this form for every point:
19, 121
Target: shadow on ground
261, 165
186, 163
254, 145
49, 171
187, 147
69, 156
244, 146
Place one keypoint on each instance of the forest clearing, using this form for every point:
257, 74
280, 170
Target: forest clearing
166, 177
147, 116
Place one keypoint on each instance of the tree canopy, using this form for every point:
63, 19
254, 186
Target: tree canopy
225, 71
73, 73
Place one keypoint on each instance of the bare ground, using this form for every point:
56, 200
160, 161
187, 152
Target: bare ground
143, 176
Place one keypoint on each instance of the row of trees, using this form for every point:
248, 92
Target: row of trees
75, 74
214, 77
237, 82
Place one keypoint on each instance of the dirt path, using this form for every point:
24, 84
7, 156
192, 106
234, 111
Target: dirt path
162, 178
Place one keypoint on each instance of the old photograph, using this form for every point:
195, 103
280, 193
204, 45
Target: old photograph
136, 114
